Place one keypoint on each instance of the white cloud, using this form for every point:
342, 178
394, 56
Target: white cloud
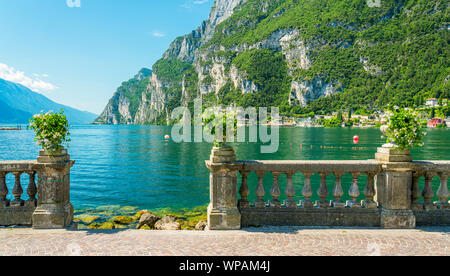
34, 82
158, 34
189, 4
199, 2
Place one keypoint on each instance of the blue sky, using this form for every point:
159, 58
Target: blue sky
79, 56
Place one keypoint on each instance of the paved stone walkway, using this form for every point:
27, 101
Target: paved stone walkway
272, 241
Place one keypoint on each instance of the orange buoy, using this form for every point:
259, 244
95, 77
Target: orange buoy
167, 137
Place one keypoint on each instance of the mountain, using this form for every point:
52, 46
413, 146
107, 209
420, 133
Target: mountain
125, 103
300, 55
11, 115
18, 104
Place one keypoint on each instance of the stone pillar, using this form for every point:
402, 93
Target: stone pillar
54, 209
394, 186
223, 213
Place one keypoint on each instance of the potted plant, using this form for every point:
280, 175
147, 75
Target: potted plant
52, 132
221, 122
403, 130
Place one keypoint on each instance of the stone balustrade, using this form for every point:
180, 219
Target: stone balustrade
390, 192
48, 204
428, 211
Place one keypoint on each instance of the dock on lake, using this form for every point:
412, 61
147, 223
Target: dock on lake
11, 128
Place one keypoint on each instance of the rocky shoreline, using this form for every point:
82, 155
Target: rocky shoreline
116, 217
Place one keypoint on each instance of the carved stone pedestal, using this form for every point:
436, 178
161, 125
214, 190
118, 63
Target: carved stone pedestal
54, 209
223, 213
394, 188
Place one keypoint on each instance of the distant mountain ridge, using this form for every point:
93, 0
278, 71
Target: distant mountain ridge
18, 103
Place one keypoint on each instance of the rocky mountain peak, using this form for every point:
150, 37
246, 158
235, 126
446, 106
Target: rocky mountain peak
222, 10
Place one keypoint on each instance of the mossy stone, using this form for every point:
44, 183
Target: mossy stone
86, 219
124, 220
104, 226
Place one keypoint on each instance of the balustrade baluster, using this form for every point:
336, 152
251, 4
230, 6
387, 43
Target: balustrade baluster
3, 190
354, 191
275, 191
244, 191
369, 192
323, 191
338, 192
307, 191
32, 190
260, 191
17, 190
416, 193
442, 193
290, 191
428, 193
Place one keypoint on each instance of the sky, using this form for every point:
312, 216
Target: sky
78, 52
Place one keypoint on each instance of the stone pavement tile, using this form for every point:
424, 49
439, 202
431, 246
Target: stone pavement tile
273, 241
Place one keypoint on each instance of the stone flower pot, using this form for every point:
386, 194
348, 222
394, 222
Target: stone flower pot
60, 156
391, 153
222, 154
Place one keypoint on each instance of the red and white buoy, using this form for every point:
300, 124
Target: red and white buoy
356, 139
167, 137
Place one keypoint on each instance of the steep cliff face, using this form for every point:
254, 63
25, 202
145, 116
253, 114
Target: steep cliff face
122, 108
303, 56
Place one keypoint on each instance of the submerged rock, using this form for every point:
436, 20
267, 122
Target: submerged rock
124, 220
103, 226
86, 219
128, 209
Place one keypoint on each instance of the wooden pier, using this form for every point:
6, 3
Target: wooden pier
11, 128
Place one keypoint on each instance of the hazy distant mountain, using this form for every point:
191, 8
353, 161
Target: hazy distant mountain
11, 115
18, 103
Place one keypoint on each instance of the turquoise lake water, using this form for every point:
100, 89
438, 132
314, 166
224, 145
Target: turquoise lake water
135, 166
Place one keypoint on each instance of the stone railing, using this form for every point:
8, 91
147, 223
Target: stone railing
48, 204
426, 211
390, 194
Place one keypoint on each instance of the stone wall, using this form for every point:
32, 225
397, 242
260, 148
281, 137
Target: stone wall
392, 196
48, 205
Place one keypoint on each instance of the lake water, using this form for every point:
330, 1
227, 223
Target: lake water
135, 166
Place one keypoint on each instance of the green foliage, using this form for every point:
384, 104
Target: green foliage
336, 121
268, 71
52, 130
170, 70
217, 122
404, 129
